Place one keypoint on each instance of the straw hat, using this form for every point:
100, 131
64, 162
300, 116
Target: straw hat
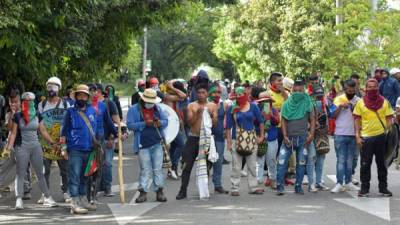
83, 89
150, 96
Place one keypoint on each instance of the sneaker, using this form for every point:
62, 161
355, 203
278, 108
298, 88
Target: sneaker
49, 202
19, 204
67, 198
76, 208
338, 188
355, 181
41, 200
225, 162
298, 190
312, 189
351, 187
243, 173
305, 180
108, 193
257, 192
280, 190
172, 174
84, 203
160, 196
27, 196
363, 193
221, 190
322, 187
385, 193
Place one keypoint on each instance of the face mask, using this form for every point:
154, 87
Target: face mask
148, 105
52, 93
372, 94
81, 103
156, 88
141, 89
241, 101
350, 96
52, 90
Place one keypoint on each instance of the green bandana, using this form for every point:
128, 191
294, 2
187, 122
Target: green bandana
211, 90
297, 105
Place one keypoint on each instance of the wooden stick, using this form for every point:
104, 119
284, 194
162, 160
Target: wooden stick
120, 165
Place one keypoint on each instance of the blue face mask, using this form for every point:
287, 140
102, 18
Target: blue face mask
148, 105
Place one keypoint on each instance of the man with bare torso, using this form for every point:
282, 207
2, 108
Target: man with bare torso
195, 113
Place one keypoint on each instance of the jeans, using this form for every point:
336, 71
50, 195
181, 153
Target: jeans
355, 159
319, 167
77, 165
345, 147
373, 146
271, 159
260, 168
176, 148
106, 176
297, 144
311, 162
217, 166
151, 160
63, 166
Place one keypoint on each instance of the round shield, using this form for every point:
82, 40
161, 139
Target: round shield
392, 144
171, 131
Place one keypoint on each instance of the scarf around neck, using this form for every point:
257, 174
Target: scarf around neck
296, 107
28, 111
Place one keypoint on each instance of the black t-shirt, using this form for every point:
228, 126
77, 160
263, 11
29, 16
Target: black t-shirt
135, 98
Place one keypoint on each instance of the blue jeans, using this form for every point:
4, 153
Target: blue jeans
217, 166
319, 167
260, 168
345, 147
150, 160
271, 158
311, 162
77, 165
355, 159
106, 179
176, 149
297, 144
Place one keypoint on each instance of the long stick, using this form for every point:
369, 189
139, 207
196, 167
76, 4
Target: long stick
120, 164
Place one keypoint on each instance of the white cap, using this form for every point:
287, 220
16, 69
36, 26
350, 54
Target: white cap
394, 71
54, 80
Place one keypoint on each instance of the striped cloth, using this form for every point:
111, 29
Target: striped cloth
201, 161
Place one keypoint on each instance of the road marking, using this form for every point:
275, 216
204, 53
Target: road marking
379, 207
125, 213
128, 187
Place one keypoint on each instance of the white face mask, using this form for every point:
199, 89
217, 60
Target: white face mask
148, 105
53, 87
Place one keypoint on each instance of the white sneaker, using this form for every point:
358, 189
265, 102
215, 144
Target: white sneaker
312, 189
41, 200
305, 180
49, 202
338, 188
19, 204
67, 198
172, 174
351, 187
243, 173
355, 181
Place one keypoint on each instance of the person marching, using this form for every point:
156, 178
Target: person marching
373, 116
78, 132
214, 95
175, 96
106, 133
241, 119
27, 149
148, 121
344, 139
135, 98
195, 115
297, 114
52, 110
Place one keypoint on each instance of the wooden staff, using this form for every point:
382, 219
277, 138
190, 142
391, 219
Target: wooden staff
120, 164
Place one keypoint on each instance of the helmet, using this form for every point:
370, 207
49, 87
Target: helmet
54, 80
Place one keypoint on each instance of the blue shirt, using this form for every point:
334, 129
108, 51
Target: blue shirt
76, 131
246, 120
218, 131
135, 122
390, 89
105, 126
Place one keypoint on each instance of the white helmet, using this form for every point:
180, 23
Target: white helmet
54, 80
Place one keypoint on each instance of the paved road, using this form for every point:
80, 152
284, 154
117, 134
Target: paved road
320, 208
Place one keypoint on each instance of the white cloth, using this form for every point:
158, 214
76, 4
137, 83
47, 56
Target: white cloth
201, 162
212, 153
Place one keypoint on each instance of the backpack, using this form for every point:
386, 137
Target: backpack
44, 102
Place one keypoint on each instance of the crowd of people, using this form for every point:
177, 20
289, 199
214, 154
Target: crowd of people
276, 130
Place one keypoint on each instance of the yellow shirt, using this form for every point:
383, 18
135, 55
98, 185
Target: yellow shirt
278, 100
370, 124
